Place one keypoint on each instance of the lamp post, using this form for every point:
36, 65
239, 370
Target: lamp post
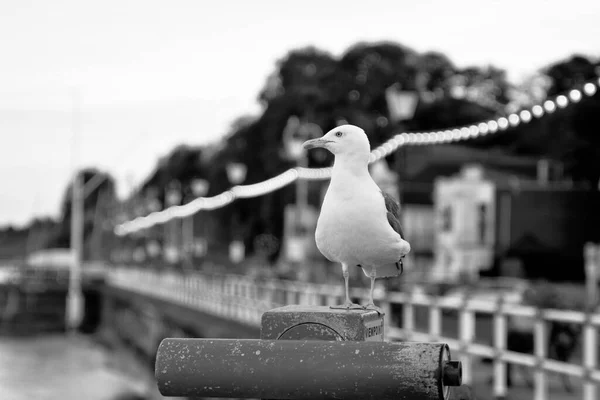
200, 188
295, 134
305, 132
236, 173
173, 197
75, 294
402, 105
152, 204
74, 311
187, 230
197, 188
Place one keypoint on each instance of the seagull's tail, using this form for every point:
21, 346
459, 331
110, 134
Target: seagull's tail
393, 269
388, 271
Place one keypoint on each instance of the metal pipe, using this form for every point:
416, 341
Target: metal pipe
298, 369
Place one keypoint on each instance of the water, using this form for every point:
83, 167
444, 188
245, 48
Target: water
60, 367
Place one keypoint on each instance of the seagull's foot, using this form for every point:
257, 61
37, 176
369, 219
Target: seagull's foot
347, 306
372, 306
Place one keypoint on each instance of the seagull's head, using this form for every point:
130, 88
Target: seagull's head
343, 141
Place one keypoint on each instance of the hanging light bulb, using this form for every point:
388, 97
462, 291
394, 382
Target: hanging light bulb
537, 111
502, 123
562, 101
513, 119
525, 116
455, 134
589, 89
575, 95
473, 131
549, 106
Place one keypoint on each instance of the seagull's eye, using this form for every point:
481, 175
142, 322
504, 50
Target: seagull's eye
338, 134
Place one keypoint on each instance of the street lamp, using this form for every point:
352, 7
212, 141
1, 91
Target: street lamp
199, 246
173, 198
402, 105
197, 188
295, 134
236, 173
304, 132
75, 299
152, 202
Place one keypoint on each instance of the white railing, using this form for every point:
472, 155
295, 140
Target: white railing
244, 300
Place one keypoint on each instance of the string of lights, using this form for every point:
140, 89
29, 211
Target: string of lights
402, 139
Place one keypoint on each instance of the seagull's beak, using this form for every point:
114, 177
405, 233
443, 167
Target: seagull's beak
314, 143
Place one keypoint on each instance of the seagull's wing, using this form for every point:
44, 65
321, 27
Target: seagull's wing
393, 213
393, 217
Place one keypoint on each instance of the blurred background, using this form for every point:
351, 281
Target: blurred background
125, 125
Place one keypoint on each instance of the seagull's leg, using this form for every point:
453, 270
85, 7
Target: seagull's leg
371, 305
348, 305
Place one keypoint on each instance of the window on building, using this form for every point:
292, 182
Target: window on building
482, 222
447, 219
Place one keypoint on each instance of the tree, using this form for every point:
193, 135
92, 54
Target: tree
317, 87
576, 130
105, 193
568, 73
301, 74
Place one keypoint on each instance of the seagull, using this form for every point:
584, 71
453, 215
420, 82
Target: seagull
359, 224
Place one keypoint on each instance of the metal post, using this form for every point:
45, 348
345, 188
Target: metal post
98, 226
301, 205
540, 388
187, 239
75, 295
500, 338
590, 357
466, 332
301, 190
74, 312
298, 322
591, 252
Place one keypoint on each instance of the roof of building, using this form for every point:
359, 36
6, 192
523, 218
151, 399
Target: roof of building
449, 159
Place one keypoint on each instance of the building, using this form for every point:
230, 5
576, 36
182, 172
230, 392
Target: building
464, 210
421, 169
489, 222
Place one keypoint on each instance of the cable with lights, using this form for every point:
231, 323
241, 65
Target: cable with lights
402, 139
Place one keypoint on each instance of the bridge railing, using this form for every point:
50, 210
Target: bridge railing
244, 300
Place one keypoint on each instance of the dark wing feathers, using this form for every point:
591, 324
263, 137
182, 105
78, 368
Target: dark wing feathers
393, 213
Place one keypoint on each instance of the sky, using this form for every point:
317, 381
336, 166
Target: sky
148, 75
